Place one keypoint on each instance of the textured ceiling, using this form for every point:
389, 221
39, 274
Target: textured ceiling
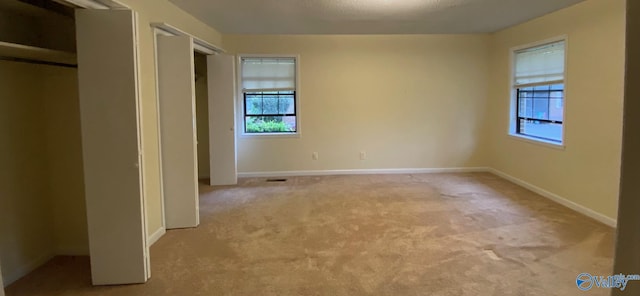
366, 16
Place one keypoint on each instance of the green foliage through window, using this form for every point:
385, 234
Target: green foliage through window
270, 112
267, 124
269, 100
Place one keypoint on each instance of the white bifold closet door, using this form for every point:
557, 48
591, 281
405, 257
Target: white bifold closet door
176, 86
222, 119
109, 107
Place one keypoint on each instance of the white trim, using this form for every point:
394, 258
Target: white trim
85, 4
158, 122
537, 141
240, 98
37, 53
551, 196
538, 83
512, 89
267, 89
153, 238
362, 172
141, 158
13, 275
95, 4
141, 155
558, 199
199, 45
267, 135
540, 43
159, 31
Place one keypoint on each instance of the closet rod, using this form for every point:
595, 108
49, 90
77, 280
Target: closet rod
32, 61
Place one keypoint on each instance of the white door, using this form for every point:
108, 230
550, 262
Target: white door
176, 87
109, 107
222, 119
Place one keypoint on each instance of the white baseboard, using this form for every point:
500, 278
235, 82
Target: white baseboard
552, 196
559, 199
154, 237
13, 275
361, 172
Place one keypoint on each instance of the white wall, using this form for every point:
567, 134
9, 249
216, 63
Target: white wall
409, 101
587, 171
444, 101
412, 101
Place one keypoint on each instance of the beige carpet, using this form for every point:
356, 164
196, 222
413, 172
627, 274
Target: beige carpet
426, 234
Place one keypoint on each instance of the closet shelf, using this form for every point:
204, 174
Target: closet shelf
20, 51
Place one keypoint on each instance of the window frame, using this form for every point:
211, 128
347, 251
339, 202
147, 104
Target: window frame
519, 118
513, 97
241, 98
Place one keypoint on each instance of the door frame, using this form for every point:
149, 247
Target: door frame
163, 227
118, 5
103, 273
200, 46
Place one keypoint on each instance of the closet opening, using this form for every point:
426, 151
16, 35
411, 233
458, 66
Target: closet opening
202, 116
71, 153
42, 204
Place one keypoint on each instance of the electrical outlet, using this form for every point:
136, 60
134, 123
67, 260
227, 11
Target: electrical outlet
363, 155
314, 155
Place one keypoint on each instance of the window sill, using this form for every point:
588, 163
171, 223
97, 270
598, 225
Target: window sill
270, 135
536, 141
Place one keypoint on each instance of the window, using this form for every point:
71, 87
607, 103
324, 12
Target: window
538, 84
269, 96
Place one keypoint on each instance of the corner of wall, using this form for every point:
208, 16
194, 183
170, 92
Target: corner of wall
156, 235
585, 172
13, 275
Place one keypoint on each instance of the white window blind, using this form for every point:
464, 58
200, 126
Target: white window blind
540, 65
268, 74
